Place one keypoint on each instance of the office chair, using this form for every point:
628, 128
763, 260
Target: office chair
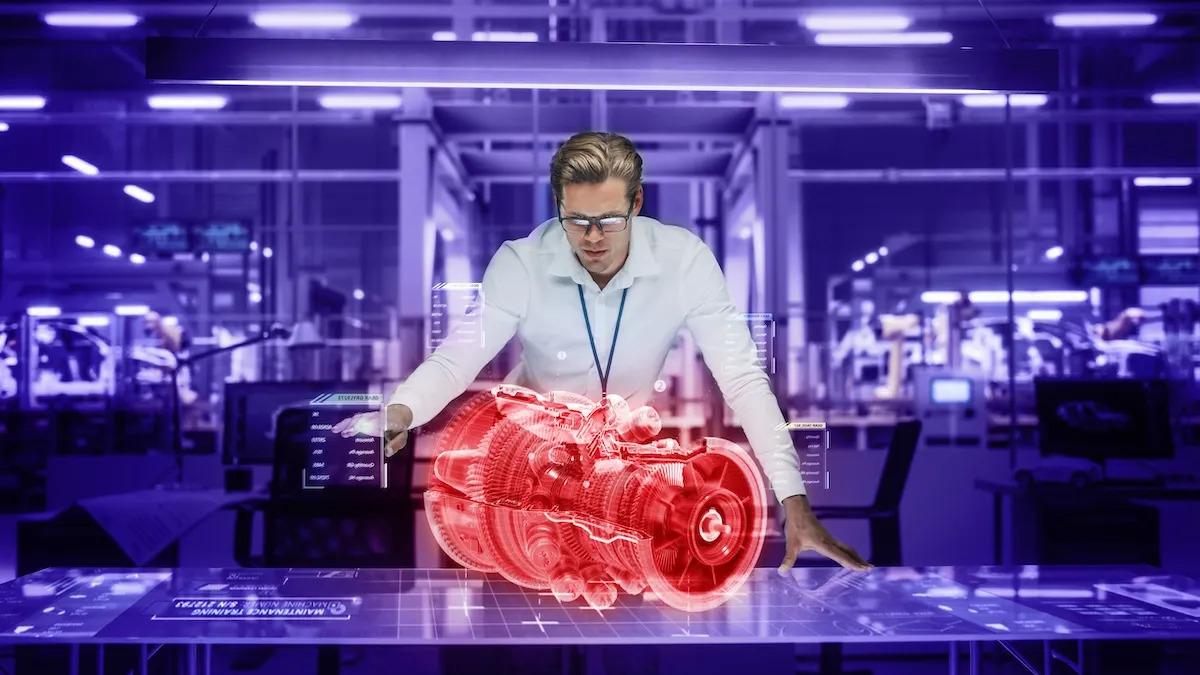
332, 527
883, 515
338, 527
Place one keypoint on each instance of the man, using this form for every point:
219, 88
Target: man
597, 296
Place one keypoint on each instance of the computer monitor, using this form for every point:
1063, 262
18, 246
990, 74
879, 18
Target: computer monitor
1107, 271
163, 237
950, 390
1101, 419
1170, 270
221, 236
251, 409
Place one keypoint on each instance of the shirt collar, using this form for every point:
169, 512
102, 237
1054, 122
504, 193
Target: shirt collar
641, 260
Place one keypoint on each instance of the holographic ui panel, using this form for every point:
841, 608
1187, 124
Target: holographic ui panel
443, 606
456, 314
762, 334
812, 445
334, 460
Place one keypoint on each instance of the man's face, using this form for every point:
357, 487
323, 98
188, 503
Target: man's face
601, 253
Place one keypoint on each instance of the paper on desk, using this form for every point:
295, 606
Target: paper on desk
145, 522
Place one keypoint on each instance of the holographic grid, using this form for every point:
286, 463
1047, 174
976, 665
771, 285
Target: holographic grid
446, 606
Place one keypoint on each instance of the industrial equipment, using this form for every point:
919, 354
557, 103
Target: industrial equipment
560, 493
951, 406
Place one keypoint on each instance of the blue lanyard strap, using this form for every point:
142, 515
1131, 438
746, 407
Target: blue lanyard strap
592, 340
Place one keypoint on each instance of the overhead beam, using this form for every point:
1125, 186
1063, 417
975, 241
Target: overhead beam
667, 119
983, 175
590, 66
511, 121
514, 165
648, 10
483, 166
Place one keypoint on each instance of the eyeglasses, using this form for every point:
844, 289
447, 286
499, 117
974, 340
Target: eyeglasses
584, 224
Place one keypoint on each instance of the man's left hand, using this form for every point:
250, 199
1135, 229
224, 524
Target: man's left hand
805, 533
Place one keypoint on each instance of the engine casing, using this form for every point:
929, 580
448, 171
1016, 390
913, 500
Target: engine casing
560, 493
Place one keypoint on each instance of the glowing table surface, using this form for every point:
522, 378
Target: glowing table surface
446, 607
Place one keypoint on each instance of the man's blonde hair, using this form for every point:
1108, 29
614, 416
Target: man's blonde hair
594, 157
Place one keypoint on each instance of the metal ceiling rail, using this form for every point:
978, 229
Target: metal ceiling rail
921, 11
213, 176
596, 66
304, 176
284, 177
505, 174
497, 131
981, 175
179, 117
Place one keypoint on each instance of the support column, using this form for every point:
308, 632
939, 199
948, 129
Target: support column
1110, 233
414, 254
781, 255
286, 204
1070, 227
1033, 195
599, 97
462, 21
728, 31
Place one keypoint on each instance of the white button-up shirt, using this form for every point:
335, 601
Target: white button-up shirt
530, 289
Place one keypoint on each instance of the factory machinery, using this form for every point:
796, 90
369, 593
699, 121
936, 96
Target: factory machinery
949, 363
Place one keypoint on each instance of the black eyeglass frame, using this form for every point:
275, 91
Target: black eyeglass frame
593, 221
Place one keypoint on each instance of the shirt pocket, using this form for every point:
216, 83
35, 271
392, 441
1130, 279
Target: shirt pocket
556, 346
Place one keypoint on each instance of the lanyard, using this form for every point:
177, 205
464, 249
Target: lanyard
592, 341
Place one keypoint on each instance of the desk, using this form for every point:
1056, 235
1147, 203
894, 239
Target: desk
135, 527
1002, 490
199, 608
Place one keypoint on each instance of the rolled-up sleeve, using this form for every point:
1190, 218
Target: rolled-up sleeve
453, 366
729, 352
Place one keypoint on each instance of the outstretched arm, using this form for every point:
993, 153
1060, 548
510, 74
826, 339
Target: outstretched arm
724, 340
450, 369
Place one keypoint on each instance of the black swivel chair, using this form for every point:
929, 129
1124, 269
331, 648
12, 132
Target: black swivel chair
883, 515
333, 527
336, 527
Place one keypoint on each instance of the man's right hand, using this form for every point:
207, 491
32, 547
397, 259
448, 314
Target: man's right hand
393, 429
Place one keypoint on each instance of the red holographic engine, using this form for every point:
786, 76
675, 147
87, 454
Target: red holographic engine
560, 493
